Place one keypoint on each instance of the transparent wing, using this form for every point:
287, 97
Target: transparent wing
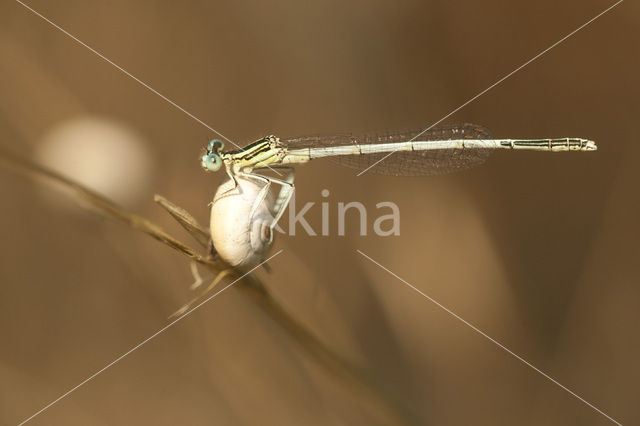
417, 163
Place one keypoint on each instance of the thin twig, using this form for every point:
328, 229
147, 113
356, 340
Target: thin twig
361, 384
105, 206
185, 219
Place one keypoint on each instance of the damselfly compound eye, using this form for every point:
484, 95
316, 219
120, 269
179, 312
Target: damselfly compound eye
211, 162
214, 146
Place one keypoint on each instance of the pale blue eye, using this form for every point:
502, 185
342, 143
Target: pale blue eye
213, 143
211, 162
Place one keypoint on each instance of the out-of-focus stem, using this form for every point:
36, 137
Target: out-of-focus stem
363, 385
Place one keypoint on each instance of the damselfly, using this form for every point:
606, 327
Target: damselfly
439, 150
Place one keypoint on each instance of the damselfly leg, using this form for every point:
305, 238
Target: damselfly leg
283, 198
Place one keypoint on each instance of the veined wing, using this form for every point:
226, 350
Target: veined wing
404, 163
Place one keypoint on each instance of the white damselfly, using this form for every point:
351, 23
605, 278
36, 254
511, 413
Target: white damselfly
243, 217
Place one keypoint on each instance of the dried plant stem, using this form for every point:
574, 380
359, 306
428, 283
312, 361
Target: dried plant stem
187, 221
358, 381
105, 206
361, 384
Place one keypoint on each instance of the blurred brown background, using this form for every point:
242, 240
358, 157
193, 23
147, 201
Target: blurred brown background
537, 250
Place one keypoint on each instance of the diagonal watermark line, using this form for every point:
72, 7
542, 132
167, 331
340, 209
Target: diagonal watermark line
501, 346
126, 72
499, 81
64, 395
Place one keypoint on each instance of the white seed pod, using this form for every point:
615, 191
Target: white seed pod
241, 241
